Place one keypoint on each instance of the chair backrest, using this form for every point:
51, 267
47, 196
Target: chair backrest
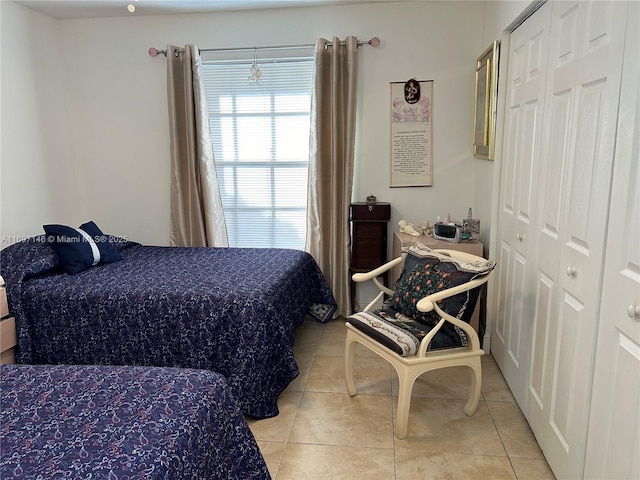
426, 272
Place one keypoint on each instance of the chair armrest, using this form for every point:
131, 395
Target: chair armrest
474, 341
362, 277
426, 304
429, 303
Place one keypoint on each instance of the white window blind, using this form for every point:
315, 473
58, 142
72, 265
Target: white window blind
260, 135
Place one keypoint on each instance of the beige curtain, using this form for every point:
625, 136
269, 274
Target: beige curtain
197, 219
333, 109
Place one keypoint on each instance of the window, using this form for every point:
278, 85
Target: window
260, 135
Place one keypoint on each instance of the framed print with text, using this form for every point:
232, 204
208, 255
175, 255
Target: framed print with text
411, 133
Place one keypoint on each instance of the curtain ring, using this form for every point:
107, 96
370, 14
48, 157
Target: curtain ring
176, 52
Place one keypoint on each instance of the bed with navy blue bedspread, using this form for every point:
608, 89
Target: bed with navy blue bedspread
230, 310
68, 421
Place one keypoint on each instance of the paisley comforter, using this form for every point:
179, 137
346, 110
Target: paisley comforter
230, 310
66, 421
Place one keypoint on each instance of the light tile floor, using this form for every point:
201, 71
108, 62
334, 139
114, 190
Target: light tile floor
323, 433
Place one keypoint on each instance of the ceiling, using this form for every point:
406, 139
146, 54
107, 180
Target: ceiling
65, 9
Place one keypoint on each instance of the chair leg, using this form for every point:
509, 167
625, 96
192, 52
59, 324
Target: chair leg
406, 379
348, 364
476, 384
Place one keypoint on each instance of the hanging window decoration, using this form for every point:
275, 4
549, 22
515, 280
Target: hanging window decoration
255, 74
411, 133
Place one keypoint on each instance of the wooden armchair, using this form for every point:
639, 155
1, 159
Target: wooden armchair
424, 324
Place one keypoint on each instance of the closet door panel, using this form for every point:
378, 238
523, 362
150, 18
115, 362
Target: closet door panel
590, 173
519, 308
573, 337
527, 59
567, 391
504, 285
539, 354
585, 63
527, 165
553, 181
551, 188
614, 423
508, 197
614, 431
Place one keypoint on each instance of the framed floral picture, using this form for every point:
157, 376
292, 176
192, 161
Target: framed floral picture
485, 102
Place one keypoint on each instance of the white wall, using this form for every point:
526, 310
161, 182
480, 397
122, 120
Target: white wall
38, 183
117, 100
498, 15
95, 75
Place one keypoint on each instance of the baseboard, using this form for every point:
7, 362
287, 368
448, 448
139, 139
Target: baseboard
486, 344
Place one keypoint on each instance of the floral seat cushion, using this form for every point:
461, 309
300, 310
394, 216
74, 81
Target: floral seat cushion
403, 334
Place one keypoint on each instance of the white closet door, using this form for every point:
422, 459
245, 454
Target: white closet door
527, 60
613, 448
585, 64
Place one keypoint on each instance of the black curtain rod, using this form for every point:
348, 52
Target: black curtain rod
154, 52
